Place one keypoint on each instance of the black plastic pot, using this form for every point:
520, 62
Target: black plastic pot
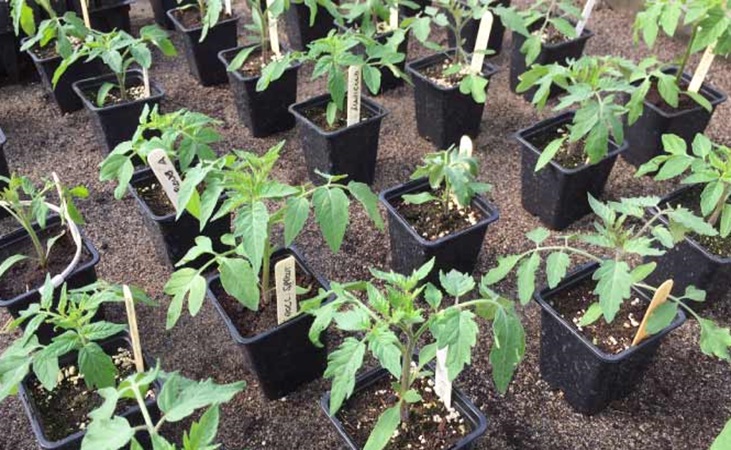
589, 378
409, 12
203, 56
282, 358
689, 263
107, 15
473, 417
4, 171
15, 65
645, 135
160, 9
444, 114
348, 151
264, 113
116, 123
299, 31
173, 238
64, 95
409, 250
73, 441
550, 53
82, 275
558, 196
469, 32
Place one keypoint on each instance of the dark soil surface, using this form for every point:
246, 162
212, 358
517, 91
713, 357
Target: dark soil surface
717, 245
191, 17
430, 222
684, 102
684, 399
436, 74
432, 426
612, 337
250, 323
570, 156
114, 96
318, 116
64, 410
25, 275
552, 36
151, 191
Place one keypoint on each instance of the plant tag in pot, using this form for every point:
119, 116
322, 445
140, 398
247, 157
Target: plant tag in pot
442, 385
702, 70
483, 35
286, 286
353, 95
393, 17
166, 174
585, 14
273, 31
465, 146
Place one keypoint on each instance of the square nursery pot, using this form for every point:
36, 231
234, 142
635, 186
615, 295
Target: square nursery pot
405, 11
444, 114
282, 358
409, 250
73, 441
689, 263
645, 135
173, 238
63, 94
116, 123
203, 56
107, 15
558, 196
264, 113
4, 171
350, 150
15, 66
84, 273
590, 378
473, 417
550, 53
469, 32
160, 10
299, 31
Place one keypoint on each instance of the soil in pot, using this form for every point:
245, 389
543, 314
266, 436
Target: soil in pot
571, 154
717, 245
114, 96
685, 102
317, 114
431, 425
611, 338
435, 73
191, 17
152, 193
430, 222
25, 275
64, 411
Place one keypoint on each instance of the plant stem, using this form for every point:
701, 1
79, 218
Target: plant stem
406, 355
686, 55
143, 409
265, 269
713, 220
546, 18
121, 83
28, 227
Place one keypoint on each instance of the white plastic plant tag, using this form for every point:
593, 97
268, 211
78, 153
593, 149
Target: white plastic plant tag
134, 331
285, 278
483, 35
353, 95
393, 18
585, 14
273, 31
702, 70
465, 146
227, 7
166, 174
146, 82
442, 385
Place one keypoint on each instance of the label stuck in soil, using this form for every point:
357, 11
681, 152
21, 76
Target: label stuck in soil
353, 95
273, 30
585, 14
442, 385
702, 70
465, 146
286, 286
483, 35
146, 82
166, 174
393, 17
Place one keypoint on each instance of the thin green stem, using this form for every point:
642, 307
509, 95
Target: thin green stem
713, 219
686, 55
406, 380
143, 409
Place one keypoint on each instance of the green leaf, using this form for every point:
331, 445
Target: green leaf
180, 397
504, 266
642, 271
549, 153
372, 78
715, 340
369, 200
661, 317
538, 235
508, 348
556, 265
455, 329
384, 345
694, 294
456, 283
45, 368
185, 283
701, 100
9, 262
613, 286
252, 222
107, 434
240, 281
295, 217
433, 296
331, 212
527, 278
96, 366
342, 365
723, 440
419, 199
387, 424
203, 432
592, 314
101, 95
673, 167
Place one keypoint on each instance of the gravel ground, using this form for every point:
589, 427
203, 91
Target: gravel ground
682, 404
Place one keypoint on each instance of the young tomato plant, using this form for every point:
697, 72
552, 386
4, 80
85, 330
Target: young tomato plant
622, 233
26, 202
74, 315
118, 50
602, 90
538, 23
709, 166
179, 398
210, 13
259, 204
391, 322
452, 176
23, 16
64, 32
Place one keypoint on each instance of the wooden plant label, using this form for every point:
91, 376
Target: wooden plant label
227, 7
273, 31
442, 385
353, 95
465, 146
85, 13
588, 7
134, 332
393, 17
286, 285
702, 70
661, 295
483, 35
166, 174
146, 82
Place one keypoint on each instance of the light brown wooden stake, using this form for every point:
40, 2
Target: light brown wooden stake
133, 330
661, 295
85, 13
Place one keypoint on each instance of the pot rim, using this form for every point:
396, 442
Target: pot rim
36, 59
223, 57
711, 93
490, 212
379, 112
180, 27
585, 35
156, 92
577, 275
414, 68
523, 134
